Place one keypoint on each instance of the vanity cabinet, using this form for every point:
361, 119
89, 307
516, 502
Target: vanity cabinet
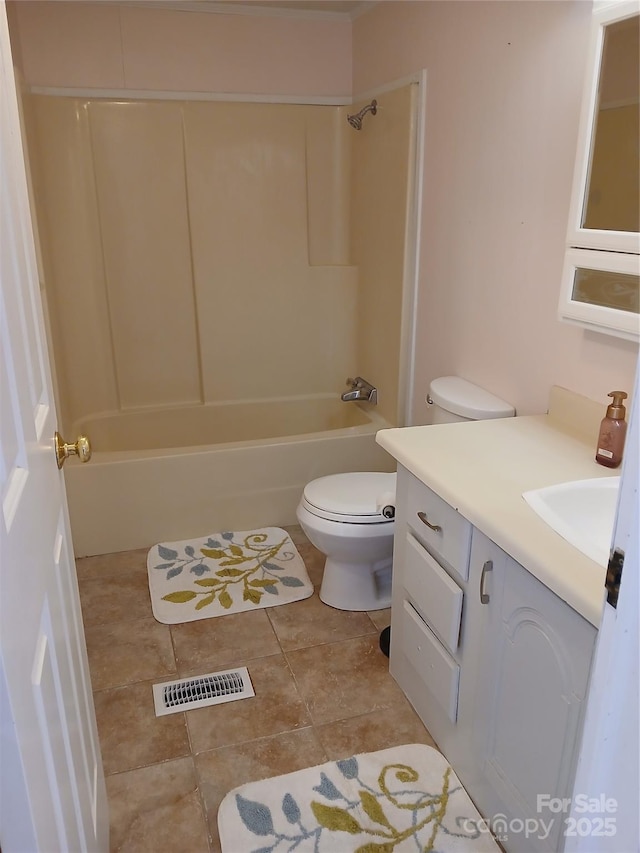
523, 703
431, 567
495, 664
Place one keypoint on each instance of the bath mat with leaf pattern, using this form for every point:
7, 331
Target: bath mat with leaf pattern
225, 573
393, 801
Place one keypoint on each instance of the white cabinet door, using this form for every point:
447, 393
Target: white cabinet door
522, 710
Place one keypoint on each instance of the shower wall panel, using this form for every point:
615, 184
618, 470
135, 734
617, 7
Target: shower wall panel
139, 166
207, 244
265, 315
69, 228
382, 160
328, 185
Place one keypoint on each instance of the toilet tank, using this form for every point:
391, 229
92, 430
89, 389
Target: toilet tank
452, 399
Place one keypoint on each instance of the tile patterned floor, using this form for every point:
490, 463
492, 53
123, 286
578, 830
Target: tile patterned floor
323, 691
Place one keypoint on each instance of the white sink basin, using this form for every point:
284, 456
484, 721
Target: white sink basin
582, 512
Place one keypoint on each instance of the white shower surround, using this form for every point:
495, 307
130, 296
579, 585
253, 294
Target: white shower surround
127, 499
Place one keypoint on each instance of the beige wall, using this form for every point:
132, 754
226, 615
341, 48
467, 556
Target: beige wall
103, 45
504, 89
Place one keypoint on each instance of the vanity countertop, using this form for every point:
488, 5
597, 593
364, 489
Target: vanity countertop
482, 468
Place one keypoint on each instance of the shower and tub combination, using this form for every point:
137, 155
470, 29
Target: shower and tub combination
219, 312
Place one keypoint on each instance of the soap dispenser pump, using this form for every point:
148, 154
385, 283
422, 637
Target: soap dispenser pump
613, 430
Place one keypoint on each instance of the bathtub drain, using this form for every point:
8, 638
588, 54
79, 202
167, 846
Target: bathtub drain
211, 689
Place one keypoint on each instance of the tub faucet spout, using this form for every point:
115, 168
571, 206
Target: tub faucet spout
360, 389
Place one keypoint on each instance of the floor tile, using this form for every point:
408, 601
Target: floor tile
219, 643
125, 652
380, 618
276, 708
323, 691
115, 598
157, 808
344, 679
131, 735
377, 730
314, 562
221, 770
311, 623
110, 564
296, 534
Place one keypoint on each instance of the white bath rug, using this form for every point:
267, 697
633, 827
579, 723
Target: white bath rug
225, 573
402, 799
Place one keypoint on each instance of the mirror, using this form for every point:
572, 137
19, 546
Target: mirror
601, 278
610, 289
601, 292
612, 199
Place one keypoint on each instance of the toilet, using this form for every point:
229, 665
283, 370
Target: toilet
344, 516
350, 517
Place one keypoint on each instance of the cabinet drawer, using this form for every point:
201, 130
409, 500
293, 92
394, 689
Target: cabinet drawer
431, 661
444, 531
435, 595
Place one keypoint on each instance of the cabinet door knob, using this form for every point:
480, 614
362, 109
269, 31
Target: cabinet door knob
423, 518
488, 567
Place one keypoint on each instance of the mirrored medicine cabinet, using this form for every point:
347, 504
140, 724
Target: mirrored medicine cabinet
601, 277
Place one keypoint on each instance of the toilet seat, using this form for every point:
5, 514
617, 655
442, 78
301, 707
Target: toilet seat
351, 498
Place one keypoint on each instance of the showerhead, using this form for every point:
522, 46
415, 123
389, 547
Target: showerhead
355, 120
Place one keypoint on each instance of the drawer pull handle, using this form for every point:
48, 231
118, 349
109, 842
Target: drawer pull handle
423, 518
488, 567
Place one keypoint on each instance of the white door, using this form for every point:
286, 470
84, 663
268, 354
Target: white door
52, 790
609, 770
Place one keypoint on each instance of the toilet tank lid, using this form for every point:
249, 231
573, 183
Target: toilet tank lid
467, 400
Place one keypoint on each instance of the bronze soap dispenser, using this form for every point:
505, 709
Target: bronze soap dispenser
613, 430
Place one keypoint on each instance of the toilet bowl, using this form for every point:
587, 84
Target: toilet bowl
346, 517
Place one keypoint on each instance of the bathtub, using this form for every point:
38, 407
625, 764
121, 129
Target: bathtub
160, 475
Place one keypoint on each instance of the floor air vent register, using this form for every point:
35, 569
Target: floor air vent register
198, 692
